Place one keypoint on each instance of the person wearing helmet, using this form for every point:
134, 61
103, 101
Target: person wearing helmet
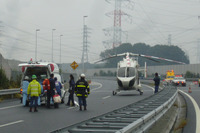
82, 90
34, 90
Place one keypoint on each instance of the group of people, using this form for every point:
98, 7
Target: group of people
81, 89
53, 86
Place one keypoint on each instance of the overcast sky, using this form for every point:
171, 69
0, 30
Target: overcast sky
152, 22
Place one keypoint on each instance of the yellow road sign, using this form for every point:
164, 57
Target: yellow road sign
74, 65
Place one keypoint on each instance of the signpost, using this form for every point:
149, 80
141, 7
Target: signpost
74, 65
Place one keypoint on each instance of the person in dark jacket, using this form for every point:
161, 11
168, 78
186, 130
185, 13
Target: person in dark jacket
50, 93
157, 82
82, 90
71, 90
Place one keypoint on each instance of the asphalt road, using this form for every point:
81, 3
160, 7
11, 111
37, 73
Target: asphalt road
16, 118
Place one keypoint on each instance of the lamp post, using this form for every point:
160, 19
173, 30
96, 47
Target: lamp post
52, 45
36, 44
60, 48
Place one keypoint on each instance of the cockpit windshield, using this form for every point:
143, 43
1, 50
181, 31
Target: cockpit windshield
121, 72
130, 72
126, 72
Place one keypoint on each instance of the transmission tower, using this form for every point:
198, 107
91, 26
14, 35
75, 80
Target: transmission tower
85, 45
169, 39
116, 30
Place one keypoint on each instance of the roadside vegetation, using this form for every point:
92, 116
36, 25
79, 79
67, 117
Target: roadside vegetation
5, 83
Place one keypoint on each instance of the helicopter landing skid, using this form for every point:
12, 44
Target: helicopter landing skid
114, 93
141, 92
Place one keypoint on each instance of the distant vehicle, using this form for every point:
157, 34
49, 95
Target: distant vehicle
169, 75
179, 81
42, 70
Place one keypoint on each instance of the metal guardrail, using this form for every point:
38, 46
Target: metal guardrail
9, 91
137, 117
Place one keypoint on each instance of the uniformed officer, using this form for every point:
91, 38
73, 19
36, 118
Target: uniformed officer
82, 90
34, 90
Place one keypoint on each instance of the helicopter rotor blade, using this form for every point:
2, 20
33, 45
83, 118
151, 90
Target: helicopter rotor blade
153, 58
159, 58
109, 57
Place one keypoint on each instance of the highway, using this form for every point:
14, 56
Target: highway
16, 118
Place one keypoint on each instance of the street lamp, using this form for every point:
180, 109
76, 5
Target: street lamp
60, 48
36, 44
52, 45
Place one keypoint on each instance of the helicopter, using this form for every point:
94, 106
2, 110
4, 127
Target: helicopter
128, 71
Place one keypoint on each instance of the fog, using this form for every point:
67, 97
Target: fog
151, 23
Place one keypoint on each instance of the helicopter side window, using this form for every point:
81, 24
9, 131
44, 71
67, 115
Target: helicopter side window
121, 72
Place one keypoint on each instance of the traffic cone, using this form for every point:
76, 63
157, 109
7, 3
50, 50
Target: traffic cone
190, 90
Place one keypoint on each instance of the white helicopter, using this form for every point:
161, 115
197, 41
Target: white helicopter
128, 71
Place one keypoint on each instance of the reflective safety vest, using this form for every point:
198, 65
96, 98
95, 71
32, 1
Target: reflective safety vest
46, 84
34, 88
82, 88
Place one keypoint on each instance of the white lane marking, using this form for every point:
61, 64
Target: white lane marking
71, 107
96, 83
106, 97
10, 107
149, 87
11, 123
196, 107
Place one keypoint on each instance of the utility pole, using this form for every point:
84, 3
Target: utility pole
198, 51
60, 48
52, 45
85, 45
36, 44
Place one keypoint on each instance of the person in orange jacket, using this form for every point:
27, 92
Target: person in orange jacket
46, 84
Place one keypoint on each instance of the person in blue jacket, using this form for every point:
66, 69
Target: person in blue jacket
50, 93
58, 86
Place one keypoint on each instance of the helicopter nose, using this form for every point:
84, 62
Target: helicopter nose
126, 82
131, 83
